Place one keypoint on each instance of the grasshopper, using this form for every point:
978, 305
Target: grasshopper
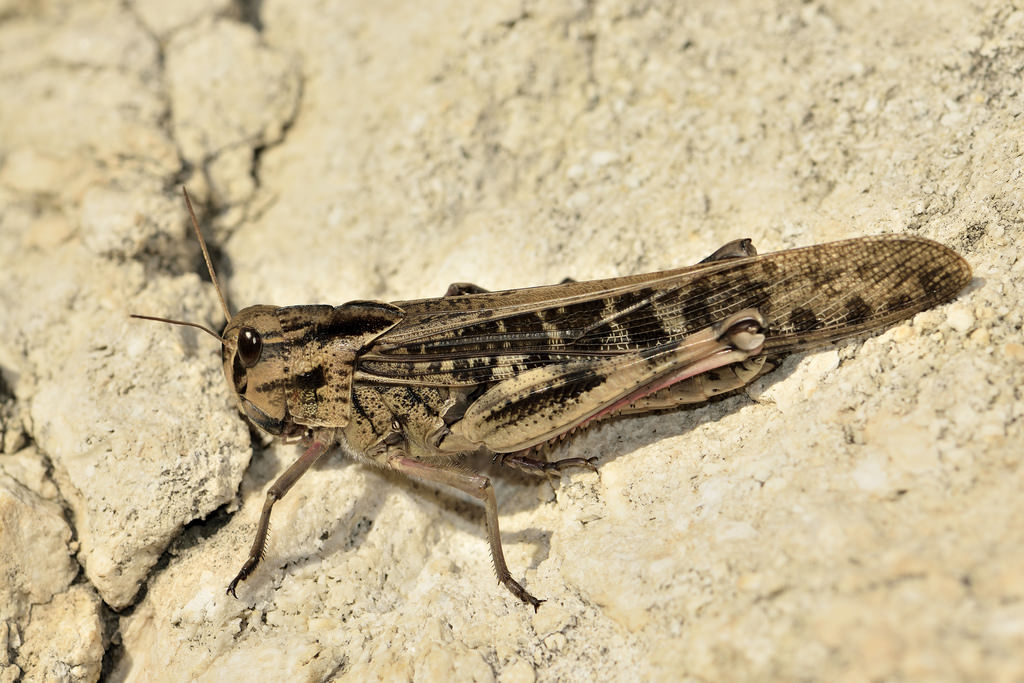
416, 386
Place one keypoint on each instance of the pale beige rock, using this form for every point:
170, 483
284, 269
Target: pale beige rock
12, 430
164, 18
64, 640
10, 641
35, 558
74, 355
75, 34
150, 448
127, 223
59, 132
29, 468
229, 94
854, 515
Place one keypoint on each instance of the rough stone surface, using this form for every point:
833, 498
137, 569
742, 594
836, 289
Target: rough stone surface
65, 639
854, 515
34, 549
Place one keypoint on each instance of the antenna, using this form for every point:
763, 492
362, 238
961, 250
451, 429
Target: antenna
213, 276
205, 329
209, 267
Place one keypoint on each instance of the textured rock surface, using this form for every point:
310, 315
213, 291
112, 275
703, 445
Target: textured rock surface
857, 514
34, 540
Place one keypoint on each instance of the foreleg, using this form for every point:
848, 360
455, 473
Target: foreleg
276, 493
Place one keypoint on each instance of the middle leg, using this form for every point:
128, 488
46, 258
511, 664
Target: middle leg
478, 486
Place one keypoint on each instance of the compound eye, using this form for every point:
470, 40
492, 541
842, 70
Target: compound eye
250, 346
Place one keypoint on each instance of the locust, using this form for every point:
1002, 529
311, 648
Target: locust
418, 386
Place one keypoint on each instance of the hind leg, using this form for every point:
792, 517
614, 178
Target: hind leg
702, 387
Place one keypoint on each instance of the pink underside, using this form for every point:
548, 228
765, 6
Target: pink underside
713, 362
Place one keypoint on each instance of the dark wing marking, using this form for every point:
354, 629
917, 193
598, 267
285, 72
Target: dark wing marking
808, 296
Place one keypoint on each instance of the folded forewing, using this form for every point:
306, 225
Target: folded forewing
807, 297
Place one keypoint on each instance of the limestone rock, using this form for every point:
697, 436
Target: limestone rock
855, 514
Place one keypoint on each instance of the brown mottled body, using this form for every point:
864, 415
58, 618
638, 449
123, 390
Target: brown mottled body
413, 386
